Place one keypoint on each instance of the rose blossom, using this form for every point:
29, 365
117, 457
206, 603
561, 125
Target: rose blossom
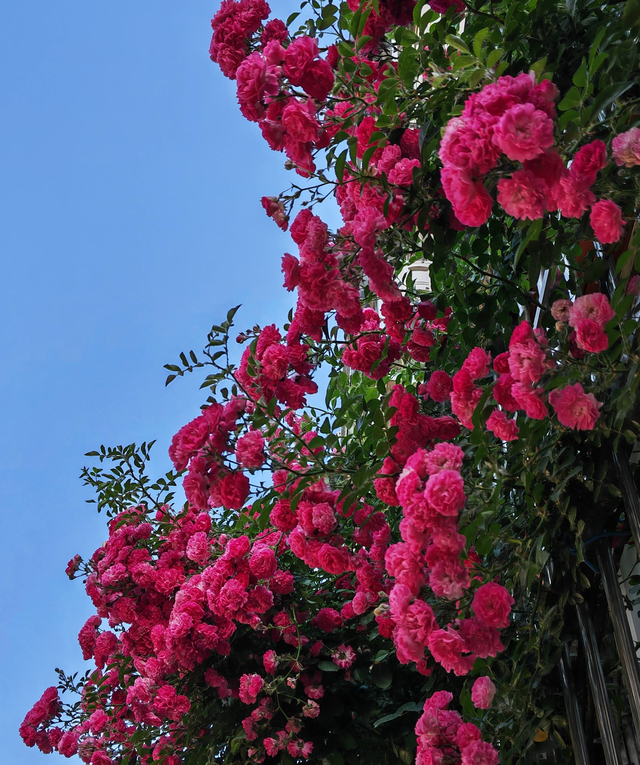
447, 647
575, 408
606, 221
250, 450
590, 336
299, 120
492, 604
445, 492
523, 195
523, 132
480, 753
482, 693
530, 399
439, 386
593, 306
501, 426
298, 56
250, 687
626, 148
560, 310
234, 490
443, 457
589, 159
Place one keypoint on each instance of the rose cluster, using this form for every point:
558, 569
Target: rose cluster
444, 737
513, 120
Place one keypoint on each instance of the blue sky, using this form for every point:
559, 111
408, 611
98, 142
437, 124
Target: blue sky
130, 221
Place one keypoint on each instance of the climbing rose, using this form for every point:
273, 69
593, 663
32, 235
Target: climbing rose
492, 604
590, 336
480, 753
606, 221
523, 195
250, 450
250, 687
445, 492
560, 310
626, 148
523, 132
593, 306
234, 490
439, 386
502, 427
575, 408
482, 693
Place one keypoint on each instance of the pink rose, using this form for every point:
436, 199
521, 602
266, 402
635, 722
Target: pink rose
443, 457
477, 363
479, 638
492, 604
318, 79
480, 753
523, 132
482, 693
575, 408
250, 687
449, 578
439, 386
560, 310
502, 427
606, 221
589, 160
593, 306
447, 647
262, 562
530, 399
276, 211
250, 450
626, 148
523, 195
573, 197
234, 490
527, 361
298, 56
299, 120
402, 172
254, 81
590, 336
470, 199
445, 492
328, 619
467, 733
334, 560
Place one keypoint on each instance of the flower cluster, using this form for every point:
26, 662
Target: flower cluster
430, 491
520, 371
444, 737
513, 119
200, 446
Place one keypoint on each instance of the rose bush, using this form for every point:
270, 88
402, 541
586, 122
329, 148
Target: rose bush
387, 571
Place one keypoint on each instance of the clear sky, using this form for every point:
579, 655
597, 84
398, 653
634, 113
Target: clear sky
130, 221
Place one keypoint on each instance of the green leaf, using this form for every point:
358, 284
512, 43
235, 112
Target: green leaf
571, 99
494, 57
606, 97
478, 41
345, 49
410, 706
458, 43
631, 13
340, 164
327, 666
580, 77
